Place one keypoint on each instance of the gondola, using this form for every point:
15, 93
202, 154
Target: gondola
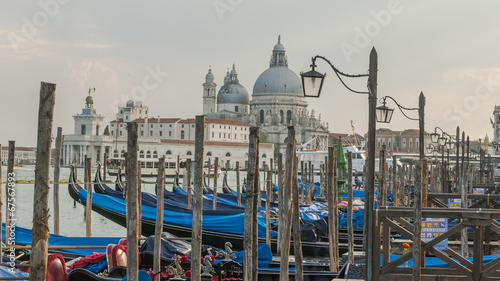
119, 185
101, 204
225, 187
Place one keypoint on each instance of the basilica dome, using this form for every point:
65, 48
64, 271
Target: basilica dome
278, 78
232, 92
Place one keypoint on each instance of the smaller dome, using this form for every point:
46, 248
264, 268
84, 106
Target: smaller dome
227, 79
209, 74
233, 72
89, 99
279, 47
130, 103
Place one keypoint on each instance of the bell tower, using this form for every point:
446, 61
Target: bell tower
209, 95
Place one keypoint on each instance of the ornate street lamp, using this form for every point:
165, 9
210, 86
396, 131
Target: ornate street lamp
435, 137
384, 113
312, 83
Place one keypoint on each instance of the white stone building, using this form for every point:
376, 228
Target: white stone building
22, 155
277, 101
169, 137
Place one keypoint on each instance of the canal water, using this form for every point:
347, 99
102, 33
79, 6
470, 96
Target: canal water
72, 222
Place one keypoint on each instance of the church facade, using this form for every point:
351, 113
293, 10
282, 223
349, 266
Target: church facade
277, 102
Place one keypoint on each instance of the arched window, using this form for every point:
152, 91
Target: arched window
261, 116
228, 154
123, 153
141, 154
189, 153
282, 117
155, 154
209, 153
182, 134
168, 152
289, 117
148, 154
264, 155
115, 153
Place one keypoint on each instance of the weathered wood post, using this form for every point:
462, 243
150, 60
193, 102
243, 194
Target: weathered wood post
38, 259
322, 180
350, 229
88, 205
139, 198
238, 187
381, 181
132, 202
417, 222
332, 209
464, 180
271, 179
1, 199
287, 196
269, 196
280, 200
160, 184
302, 190
189, 192
105, 167
394, 180
297, 243
311, 182
10, 190
198, 198
209, 171
216, 175
57, 172
252, 192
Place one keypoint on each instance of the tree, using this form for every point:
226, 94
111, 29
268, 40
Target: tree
106, 131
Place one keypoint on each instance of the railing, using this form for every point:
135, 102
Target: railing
397, 219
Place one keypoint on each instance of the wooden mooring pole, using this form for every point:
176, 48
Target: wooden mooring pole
132, 202
10, 190
216, 175
332, 210
280, 200
250, 204
198, 198
297, 243
238, 187
350, 229
1, 201
188, 183
287, 196
160, 184
57, 174
269, 196
88, 205
139, 198
40, 235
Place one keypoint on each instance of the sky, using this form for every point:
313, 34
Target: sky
160, 51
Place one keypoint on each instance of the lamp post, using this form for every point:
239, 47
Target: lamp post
312, 83
445, 141
384, 115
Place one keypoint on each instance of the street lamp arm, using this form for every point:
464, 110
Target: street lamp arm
400, 107
338, 73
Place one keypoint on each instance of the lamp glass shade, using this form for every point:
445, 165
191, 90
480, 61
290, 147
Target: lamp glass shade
434, 137
449, 144
442, 141
384, 114
312, 82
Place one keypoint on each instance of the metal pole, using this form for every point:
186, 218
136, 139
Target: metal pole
370, 180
